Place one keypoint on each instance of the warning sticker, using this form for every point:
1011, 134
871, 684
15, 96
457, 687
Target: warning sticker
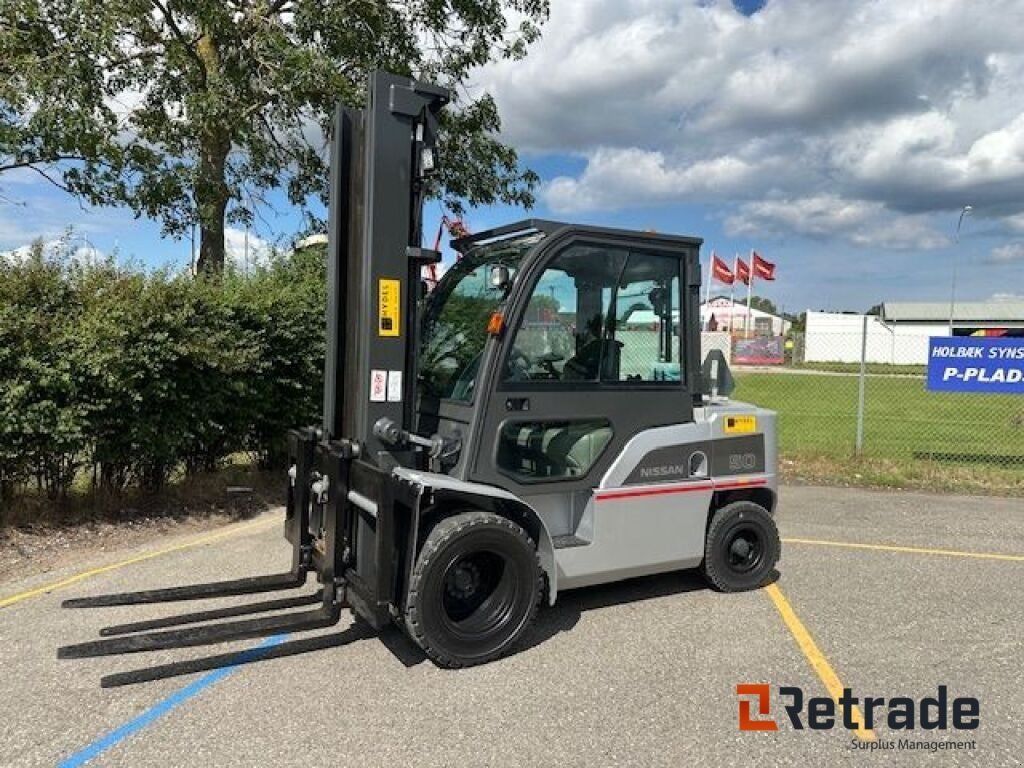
389, 307
378, 386
736, 424
394, 386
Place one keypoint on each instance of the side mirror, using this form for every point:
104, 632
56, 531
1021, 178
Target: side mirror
499, 277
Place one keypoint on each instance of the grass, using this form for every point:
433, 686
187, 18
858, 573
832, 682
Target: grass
879, 368
912, 437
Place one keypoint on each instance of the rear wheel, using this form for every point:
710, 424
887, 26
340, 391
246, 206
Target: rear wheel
474, 590
742, 547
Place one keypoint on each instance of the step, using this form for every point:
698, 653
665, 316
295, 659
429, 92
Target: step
568, 540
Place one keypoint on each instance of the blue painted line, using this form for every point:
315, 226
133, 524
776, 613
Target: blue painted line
161, 708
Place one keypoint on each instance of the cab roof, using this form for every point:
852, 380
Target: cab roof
548, 227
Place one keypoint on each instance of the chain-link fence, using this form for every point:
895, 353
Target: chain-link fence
858, 392
864, 394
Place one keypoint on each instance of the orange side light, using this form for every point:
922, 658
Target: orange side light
496, 324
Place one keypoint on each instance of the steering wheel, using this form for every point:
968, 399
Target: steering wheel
547, 362
519, 364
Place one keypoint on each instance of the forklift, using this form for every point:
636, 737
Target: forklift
540, 421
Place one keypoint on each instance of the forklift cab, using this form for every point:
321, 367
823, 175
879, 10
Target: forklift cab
544, 376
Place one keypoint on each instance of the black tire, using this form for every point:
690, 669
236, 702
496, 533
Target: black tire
474, 590
742, 547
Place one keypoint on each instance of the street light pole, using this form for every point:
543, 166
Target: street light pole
956, 252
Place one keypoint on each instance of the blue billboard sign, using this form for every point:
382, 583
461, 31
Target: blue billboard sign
976, 364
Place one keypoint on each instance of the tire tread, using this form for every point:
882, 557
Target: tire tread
443, 532
719, 578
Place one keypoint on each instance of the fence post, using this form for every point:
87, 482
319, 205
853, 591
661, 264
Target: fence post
860, 387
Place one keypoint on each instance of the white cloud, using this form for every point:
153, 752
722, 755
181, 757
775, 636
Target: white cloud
614, 177
861, 222
246, 250
1004, 254
75, 249
1007, 297
1015, 223
18, 255
881, 108
41, 211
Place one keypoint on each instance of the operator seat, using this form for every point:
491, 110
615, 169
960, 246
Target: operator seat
596, 353
552, 449
573, 449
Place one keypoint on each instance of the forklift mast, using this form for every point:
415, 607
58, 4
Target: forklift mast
339, 497
381, 157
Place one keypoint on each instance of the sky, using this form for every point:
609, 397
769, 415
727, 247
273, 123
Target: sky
841, 140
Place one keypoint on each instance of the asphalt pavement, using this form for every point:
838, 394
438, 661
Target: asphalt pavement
890, 594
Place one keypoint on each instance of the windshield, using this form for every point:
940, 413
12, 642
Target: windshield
456, 315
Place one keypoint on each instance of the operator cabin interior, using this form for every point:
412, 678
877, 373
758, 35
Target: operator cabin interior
573, 334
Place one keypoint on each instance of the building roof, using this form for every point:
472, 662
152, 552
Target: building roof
722, 305
963, 311
309, 242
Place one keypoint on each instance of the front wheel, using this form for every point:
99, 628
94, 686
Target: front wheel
474, 590
742, 547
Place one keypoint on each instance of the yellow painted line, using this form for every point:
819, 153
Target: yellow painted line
233, 531
910, 550
817, 659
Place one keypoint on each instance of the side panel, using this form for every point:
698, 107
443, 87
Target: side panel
650, 513
639, 529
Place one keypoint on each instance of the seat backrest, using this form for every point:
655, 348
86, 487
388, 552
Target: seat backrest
603, 353
573, 449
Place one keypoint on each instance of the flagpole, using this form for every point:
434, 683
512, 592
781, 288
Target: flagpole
750, 288
707, 290
732, 294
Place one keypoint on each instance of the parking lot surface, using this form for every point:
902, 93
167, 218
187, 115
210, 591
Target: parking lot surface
889, 594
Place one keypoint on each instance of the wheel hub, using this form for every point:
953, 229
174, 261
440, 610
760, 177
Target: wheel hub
463, 580
741, 548
745, 551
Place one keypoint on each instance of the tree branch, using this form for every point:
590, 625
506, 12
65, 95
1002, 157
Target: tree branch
33, 164
59, 185
180, 35
286, 151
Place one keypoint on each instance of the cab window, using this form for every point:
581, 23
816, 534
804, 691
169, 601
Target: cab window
600, 315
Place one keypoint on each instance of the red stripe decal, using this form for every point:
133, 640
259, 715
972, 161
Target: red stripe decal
741, 484
655, 491
686, 488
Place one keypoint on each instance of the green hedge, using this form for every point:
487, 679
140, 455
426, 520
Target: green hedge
114, 376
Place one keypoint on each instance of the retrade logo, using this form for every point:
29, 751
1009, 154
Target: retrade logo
821, 713
762, 696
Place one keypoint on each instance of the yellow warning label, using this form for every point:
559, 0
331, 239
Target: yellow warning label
735, 424
389, 307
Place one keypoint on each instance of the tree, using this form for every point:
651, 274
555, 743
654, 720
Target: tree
763, 304
190, 112
46, 114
